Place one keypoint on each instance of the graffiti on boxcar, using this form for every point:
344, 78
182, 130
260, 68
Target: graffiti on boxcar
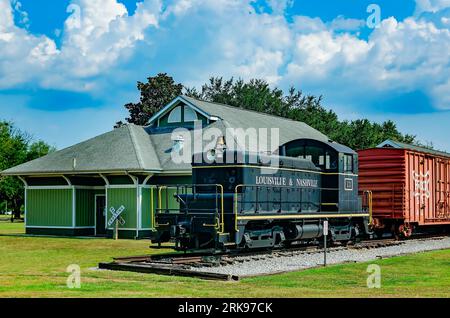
421, 186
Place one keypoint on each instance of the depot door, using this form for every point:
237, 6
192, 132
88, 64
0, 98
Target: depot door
100, 212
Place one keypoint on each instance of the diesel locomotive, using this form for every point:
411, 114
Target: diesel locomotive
241, 200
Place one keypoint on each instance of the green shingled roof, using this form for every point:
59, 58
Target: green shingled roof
134, 148
235, 117
128, 148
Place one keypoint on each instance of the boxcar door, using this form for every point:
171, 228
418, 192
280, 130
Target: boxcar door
100, 210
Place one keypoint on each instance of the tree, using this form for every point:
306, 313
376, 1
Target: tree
156, 93
16, 147
258, 95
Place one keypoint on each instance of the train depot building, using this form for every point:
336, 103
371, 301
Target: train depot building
77, 190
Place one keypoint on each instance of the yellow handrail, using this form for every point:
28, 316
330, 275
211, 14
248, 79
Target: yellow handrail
236, 207
222, 208
152, 207
221, 224
216, 225
160, 196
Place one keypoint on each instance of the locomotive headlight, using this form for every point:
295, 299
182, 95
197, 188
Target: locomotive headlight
211, 155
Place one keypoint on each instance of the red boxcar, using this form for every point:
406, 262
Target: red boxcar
410, 186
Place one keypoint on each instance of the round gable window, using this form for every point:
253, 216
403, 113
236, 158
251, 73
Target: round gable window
175, 115
189, 114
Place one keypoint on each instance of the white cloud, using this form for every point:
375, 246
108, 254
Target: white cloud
279, 7
6, 16
431, 5
318, 56
22, 55
195, 39
399, 56
226, 38
341, 23
100, 32
304, 24
264, 63
95, 37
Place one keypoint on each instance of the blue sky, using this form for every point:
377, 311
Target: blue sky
67, 67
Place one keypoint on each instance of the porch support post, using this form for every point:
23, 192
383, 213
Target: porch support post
25, 184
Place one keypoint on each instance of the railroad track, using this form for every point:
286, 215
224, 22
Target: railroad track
180, 264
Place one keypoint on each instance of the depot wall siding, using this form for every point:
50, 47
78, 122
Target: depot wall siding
50, 207
148, 207
85, 206
126, 197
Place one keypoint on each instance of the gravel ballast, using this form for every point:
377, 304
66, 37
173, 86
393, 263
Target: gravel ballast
248, 266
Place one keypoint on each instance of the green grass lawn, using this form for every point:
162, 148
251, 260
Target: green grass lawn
36, 267
6, 227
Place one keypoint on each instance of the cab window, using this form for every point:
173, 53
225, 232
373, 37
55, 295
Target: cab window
348, 163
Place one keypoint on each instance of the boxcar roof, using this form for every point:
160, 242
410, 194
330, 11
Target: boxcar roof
401, 145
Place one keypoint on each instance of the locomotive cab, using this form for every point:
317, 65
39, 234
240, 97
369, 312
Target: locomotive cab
339, 165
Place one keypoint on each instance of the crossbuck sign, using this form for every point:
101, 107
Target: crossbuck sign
116, 215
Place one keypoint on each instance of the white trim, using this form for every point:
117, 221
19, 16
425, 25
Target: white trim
25, 205
345, 184
59, 227
166, 108
67, 180
89, 187
50, 187
25, 189
74, 207
138, 209
123, 186
23, 180
33, 174
146, 179
149, 186
107, 207
133, 178
122, 228
104, 179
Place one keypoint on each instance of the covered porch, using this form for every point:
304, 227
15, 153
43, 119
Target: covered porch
82, 205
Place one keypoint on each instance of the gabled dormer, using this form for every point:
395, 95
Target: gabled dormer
181, 112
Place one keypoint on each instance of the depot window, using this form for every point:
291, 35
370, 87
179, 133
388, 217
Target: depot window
175, 115
189, 114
